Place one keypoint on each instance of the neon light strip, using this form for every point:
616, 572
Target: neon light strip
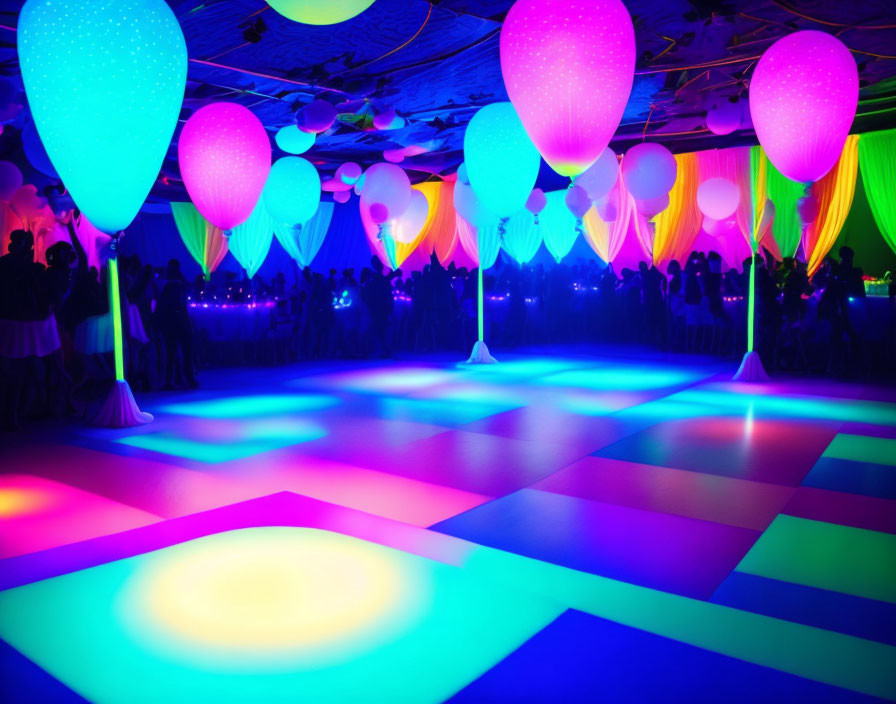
479, 307
115, 305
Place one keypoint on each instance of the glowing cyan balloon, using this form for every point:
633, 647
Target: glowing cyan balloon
408, 226
348, 173
387, 184
600, 176
105, 82
292, 192
470, 208
500, 159
803, 97
318, 12
292, 140
718, 198
568, 67
649, 170
34, 151
225, 158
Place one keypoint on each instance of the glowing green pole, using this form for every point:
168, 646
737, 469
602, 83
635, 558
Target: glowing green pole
480, 307
115, 306
751, 303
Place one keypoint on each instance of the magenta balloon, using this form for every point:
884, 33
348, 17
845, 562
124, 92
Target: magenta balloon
379, 213
342, 196
803, 98
577, 201
394, 156
384, 120
317, 116
649, 170
225, 157
601, 175
652, 206
724, 118
335, 185
606, 209
10, 179
537, 201
718, 198
387, 184
807, 207
568, 67
349, 173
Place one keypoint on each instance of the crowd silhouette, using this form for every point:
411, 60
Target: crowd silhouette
56, 330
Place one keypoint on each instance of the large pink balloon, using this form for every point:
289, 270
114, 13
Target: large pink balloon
568, 67
225, 158
718, 198
803, 98
601, 175
649, 170
387, 184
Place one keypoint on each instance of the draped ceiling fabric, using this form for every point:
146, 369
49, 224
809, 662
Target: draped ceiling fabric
250, 242
834, 193
557, 225
205, 242
677, 226
302, 243
877, 159
522, 237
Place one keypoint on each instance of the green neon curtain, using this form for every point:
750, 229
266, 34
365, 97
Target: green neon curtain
302, 244
877, 159
205, 242
251, 241
787, 228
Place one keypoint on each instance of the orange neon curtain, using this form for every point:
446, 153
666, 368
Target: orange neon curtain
834, 193
677, 226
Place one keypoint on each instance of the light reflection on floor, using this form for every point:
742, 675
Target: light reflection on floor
752, 525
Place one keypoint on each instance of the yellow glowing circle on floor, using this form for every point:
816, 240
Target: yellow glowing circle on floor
20, 501
318, 12
264, 591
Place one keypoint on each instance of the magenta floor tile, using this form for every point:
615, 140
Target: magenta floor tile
474, 462
847, 509
657, 550
547, 424
735, 502
775, 451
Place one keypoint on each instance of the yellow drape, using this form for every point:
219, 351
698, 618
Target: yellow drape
678, 225
432, 191
597, 234
834, 193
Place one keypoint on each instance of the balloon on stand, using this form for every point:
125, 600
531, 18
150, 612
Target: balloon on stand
408, 226
718, 198
501, 161
349, 173
536, 202
389, 185
600, 176
578, 202
292, 191
318, 12
470, 208
649, 170
316, 117
568, 67
803, 97
105, 84
225, 158
724, 117
807, 207
652, 206
10, 179
292, 140
342, 196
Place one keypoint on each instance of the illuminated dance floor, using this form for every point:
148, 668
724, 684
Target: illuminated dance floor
560, 527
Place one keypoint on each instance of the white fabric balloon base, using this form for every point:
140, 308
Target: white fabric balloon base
480, 354
751, 369
120, 409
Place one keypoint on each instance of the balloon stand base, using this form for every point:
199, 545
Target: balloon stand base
120, 409
480, 354
751, 369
